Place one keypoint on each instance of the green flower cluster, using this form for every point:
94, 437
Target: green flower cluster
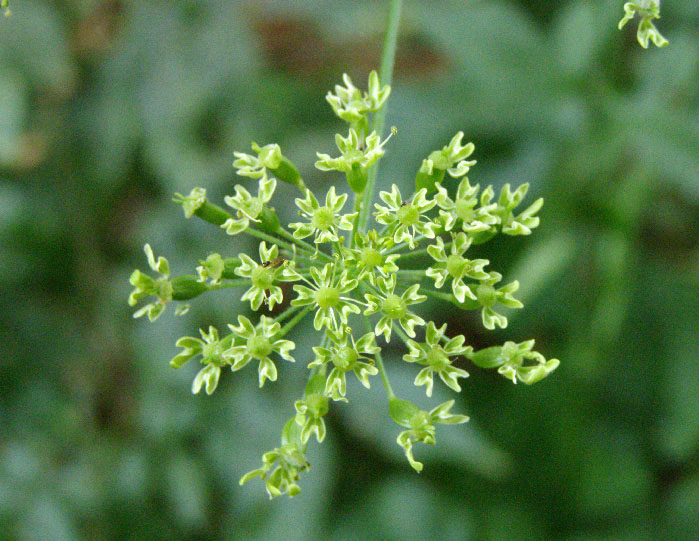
363, 286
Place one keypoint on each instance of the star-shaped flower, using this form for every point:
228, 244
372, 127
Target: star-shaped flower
455, 266
351, 105
345, 356
325, 220
369, 256
420, 424
488, 296
435, 358
462, 208
263, 276
248, 207
450, 158
211, 349
211, 269
516, 362
326, 294
258, 343
311, 409
406, 219
268, 157
290, 462
523, 223
393, 307
357, 155
145, 285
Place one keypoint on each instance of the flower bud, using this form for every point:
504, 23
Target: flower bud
402, 411
269, 222
288, 172
487, 358
187, 287
229, 266
428, 180
212, 214
357, 178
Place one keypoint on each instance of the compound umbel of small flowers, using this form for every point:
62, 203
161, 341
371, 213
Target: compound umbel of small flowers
363, 285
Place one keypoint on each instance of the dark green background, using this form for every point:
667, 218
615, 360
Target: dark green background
108, 107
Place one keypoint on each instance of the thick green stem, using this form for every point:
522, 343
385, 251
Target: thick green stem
292, 322
385, 77
245, 282
415, 275
448, 297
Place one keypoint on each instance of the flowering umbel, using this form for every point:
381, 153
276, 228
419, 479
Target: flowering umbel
362, 285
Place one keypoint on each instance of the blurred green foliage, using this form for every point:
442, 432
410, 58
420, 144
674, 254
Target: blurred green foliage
107, 107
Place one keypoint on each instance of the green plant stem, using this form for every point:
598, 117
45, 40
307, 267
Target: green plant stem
287, 313
402, 245
355, 222
399, 332
416, 275
385, 77
417, 253
292, 322
305, 260
380, 366
233, 283
308, 248
377, 356
448, 297
269, 238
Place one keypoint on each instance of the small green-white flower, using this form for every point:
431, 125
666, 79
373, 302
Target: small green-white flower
323, 221
311, 409
369, 256
516, 362
455, 266
192, 202
406, 219
462, 208
393, 307
211, 349
357, 155
263, 276
145, 285
523, 223
346, 355
420, 424
354, 150
648, 11
211, 269
435, 358
326, 294
451, 159
248, 207
268, 157
488, 296
258, 343
351, 105
290, 463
